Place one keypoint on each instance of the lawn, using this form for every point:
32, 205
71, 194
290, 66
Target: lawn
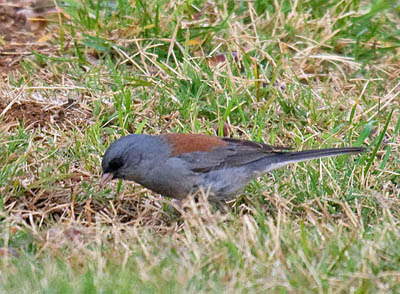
78, 74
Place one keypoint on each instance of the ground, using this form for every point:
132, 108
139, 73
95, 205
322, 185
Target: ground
76, 75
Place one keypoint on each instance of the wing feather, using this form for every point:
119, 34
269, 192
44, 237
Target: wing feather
235, 153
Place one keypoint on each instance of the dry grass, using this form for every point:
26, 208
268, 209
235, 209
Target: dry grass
299, 74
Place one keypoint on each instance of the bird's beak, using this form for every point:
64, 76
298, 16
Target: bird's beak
105, 178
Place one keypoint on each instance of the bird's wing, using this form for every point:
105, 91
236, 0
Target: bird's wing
234, 153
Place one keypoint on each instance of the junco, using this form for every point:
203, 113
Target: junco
177, 165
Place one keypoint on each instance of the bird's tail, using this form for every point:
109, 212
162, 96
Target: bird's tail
284, 158
320, 153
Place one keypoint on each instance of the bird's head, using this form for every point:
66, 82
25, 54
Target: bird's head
130, 157
120, 159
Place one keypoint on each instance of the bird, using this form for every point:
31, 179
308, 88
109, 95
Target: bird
177, 165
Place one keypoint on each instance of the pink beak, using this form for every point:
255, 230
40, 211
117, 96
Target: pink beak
105, 178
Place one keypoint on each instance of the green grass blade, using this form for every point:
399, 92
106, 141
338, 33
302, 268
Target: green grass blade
378, 144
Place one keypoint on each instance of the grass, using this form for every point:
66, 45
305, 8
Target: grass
306, 74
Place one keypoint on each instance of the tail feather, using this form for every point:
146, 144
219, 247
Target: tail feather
320, 153
286, 158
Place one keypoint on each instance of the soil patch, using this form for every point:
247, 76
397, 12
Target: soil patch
21, 24
35, 114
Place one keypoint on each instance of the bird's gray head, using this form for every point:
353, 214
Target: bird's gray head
124, 157
120, 156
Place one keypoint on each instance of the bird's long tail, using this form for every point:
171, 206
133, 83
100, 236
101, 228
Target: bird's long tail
284, 158
320, 153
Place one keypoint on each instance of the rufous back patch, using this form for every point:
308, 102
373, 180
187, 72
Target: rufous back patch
184, 143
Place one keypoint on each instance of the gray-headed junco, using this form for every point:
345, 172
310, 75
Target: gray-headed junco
177, 165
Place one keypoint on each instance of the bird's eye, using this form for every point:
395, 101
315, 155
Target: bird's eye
115, 164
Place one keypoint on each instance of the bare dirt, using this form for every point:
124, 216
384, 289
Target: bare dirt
22, 23
35, 114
